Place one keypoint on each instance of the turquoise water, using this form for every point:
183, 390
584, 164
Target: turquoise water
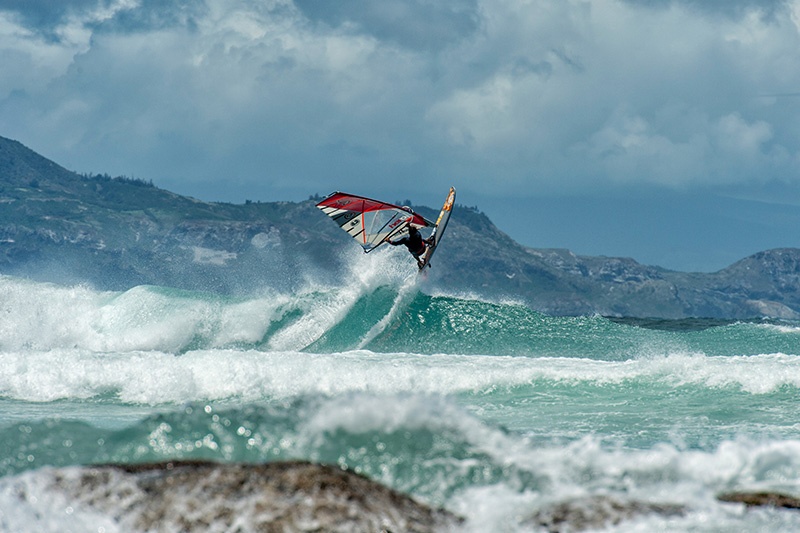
484, 407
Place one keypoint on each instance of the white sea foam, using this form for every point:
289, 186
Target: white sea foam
782, 328
155, 347
42, 316
149, 377
28, 504
330, 306
663, 474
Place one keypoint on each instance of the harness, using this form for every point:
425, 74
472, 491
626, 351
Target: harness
419, 251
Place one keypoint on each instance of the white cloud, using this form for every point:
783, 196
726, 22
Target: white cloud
546, 94
33, 59
736, 136
632, 95
28, 60
726, 149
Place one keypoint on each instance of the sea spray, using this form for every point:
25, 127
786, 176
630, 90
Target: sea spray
488, 408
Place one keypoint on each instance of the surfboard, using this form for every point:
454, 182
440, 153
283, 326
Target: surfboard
438, 228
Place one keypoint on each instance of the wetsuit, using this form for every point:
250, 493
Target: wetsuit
413, 241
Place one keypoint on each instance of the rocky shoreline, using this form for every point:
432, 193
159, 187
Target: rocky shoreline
298, 496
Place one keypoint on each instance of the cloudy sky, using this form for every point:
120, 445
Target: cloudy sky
663, 130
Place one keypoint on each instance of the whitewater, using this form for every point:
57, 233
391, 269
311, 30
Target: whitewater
483, 407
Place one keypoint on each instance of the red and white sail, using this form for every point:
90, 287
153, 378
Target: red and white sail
370, 222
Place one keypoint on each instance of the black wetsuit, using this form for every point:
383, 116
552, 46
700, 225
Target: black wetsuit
413, 241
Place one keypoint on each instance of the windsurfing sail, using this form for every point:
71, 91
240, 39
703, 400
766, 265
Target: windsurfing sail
370, 222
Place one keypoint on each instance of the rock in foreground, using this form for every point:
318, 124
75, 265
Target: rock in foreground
598, 512
761, 499
204, 496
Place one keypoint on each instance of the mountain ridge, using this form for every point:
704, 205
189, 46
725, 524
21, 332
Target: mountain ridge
115, 233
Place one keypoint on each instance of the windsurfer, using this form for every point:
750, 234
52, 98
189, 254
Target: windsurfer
414, 242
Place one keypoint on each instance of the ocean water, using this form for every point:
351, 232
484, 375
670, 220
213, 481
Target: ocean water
485, 408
